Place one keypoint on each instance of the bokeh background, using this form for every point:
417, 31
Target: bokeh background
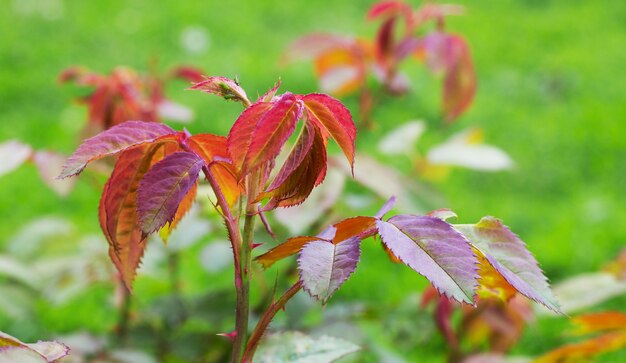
550, 93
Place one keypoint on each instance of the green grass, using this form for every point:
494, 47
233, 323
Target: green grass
550, 93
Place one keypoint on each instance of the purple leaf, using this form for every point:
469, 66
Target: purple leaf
163, 188
325, 266
509, 256
386, 207
434, 249
113, 141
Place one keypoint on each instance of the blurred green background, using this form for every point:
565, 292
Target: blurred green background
550, 93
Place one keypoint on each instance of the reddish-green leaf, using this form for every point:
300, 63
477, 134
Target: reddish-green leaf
112, 141
304, 169
509, 256
324, 266
223, 87
434, 249
261, 131
163, 188
333, 119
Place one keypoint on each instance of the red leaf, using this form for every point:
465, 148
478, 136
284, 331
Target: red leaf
118, 209
333, 119
460, 82
304, 169
191, 74
223, 87
260, 132
163, 188
451, 54
388, 9
385, 44
113, 141
213, 150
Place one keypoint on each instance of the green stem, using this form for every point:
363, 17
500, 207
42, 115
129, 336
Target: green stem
245, 263
266, 319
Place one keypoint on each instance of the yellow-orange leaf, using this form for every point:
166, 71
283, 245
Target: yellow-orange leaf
491, 284
591, 323
583, 351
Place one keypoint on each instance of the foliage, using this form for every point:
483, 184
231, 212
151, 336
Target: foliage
127, 95
158, 168
342, 63
610, 330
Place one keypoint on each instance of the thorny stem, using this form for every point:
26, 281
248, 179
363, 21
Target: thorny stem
245, 262
230, 221
265, 320
241, 283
